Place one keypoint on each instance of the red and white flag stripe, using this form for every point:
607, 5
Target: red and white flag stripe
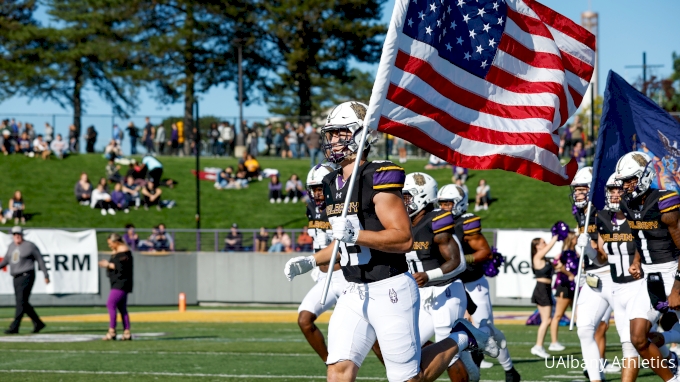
507, 120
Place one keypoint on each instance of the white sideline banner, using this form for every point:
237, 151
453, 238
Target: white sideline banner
70, 257
516, 278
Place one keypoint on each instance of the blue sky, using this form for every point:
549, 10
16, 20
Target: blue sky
627, 28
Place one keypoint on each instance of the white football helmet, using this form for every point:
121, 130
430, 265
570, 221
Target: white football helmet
636, 164
315, 178
583, 178
611, 183
456, 195
419, 190
346, 116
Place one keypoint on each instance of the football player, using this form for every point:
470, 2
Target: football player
382, 299
653, 217
616, 242
435, 261
476, 249
319, 229
594, 311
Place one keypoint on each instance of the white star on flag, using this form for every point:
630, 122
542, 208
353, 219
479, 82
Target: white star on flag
479, 49
467, 56
459, 41
492, 43
410, 23
486, 27
453, 25
448, 46
466, 18
484, 64
500, 21
495, 6
461, 3
428, 30
473, 34
421, 15
481, 12
433, 7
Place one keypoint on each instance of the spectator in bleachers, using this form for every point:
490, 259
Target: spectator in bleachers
252, 168
173, 143
294, 189
59, 147
90, 139
148, 135
112, 150
5, 142
30, 131
162, 241
132, 191
133, 134
102, 200
152, 196
131, 237
482, 197
459, 173
24, 144
313, 143
17, 208
72, 139
579, 154
113, 172
118, 198
49, 133
304, 241
117, 134
102, 182
41, 148
277, 142
234, 240
159, 139
226, 137
261, 240
83, 190
275, 189
280, 241
292, 141
154, 169
214, 138
302, 148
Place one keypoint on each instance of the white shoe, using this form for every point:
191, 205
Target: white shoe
611, 368
127, 210
477, 339
477, 208
556, 346
278, 200
485, 365
271, 200
497, 334
539, 351
295, 199
286, 200
103, 212
111, 211
486, 208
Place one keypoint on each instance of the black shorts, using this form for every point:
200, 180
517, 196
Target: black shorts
564, 291
542, 295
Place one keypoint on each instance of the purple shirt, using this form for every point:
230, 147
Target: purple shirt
118, 197
130, 243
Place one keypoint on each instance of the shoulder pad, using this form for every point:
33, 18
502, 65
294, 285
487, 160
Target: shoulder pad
668, 201
442, 221
387, 176
471, 224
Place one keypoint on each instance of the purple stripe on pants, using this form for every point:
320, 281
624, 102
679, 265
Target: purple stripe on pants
118, 299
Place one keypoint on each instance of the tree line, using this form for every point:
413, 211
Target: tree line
297, 55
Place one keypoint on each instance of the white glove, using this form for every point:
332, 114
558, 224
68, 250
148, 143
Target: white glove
298, 265
583, 240
329, 237
344, 231
312, 233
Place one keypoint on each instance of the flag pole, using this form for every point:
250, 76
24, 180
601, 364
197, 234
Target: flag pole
580, 270
348, 199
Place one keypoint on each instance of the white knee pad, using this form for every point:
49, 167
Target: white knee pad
629, 350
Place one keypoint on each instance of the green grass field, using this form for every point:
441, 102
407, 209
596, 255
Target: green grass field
519, 202
227, 352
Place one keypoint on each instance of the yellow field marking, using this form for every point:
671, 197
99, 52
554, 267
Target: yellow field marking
246, 316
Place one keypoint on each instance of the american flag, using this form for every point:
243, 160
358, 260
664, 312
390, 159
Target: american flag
483, 84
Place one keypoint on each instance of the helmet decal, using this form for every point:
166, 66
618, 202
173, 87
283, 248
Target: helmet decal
419, 179
359, 110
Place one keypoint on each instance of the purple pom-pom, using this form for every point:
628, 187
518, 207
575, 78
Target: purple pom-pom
561, 230
492, 266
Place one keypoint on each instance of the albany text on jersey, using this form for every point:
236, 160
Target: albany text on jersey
619, 244
425, 255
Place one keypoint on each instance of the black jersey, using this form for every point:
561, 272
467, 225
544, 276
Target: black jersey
580, 216
362, 264
618, 244
469, 224
319, 227
425, 255
652, 238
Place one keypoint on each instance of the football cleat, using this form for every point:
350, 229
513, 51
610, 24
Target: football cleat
477, 340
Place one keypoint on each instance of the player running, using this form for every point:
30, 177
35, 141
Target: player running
382, 299
616, 242
594, 311
435, 261
319, 229
476, 249
654, 218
